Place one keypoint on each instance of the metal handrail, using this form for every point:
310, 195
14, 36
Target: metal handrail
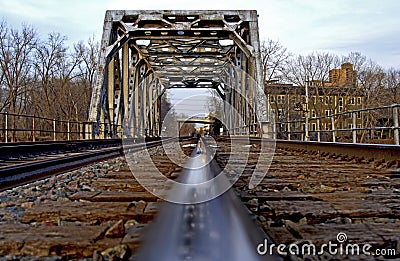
71, 129
331, 119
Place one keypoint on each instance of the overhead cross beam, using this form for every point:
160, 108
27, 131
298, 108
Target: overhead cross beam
143, 53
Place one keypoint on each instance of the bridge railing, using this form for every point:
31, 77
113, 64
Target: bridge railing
368, 125
23, 127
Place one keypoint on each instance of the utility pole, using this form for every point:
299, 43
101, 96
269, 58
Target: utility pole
306, 111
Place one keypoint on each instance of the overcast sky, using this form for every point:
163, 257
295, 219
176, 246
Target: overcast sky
371, 27
338, 26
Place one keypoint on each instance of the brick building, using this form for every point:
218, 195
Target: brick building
338, 95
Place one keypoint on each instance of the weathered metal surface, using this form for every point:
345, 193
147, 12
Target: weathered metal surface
143, 53
309, 198
305, 197
91, 212
217, 228
385, 152
44, 159
381, 154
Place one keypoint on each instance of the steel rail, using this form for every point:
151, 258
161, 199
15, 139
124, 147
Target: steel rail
23, 173
31, 149
20, 174
217, 229
387, 152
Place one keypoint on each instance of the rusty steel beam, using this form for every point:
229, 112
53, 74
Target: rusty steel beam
143, 53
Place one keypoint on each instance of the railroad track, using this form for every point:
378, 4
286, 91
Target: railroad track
25, 162
78, 214
211, 225
306, 197
373, 152
347, 195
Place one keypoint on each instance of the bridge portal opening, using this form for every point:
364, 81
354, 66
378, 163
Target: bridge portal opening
144, 54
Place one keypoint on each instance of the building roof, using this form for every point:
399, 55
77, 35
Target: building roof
285, 89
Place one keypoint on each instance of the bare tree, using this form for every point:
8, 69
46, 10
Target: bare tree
86, 72
392, 89
44, 77
167, 116
3, 92
315, 67
49, 57
371, 77
16, 49
273, 57
90, 59
215, 104
83, 80
56, 69
371, 80
356, 59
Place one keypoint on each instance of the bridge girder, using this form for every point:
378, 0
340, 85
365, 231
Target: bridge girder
143, 53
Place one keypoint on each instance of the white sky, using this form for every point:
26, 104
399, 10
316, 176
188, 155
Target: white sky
371, 27
338, 26
189, 101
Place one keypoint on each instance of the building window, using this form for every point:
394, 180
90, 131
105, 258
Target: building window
340, 101
359, 101
327, 113
313, 127
350, 126
280, 99
313, 114
272, 98
328, 100
314, 100
352, 100
359, 115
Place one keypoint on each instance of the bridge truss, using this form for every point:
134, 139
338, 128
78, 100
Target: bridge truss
144, 53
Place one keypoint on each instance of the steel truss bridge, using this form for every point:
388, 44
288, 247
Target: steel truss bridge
144, 53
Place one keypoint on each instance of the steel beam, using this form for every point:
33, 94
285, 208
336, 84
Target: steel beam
145, 52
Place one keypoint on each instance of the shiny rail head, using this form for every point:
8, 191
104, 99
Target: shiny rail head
202, 185
200, 178
216, 229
